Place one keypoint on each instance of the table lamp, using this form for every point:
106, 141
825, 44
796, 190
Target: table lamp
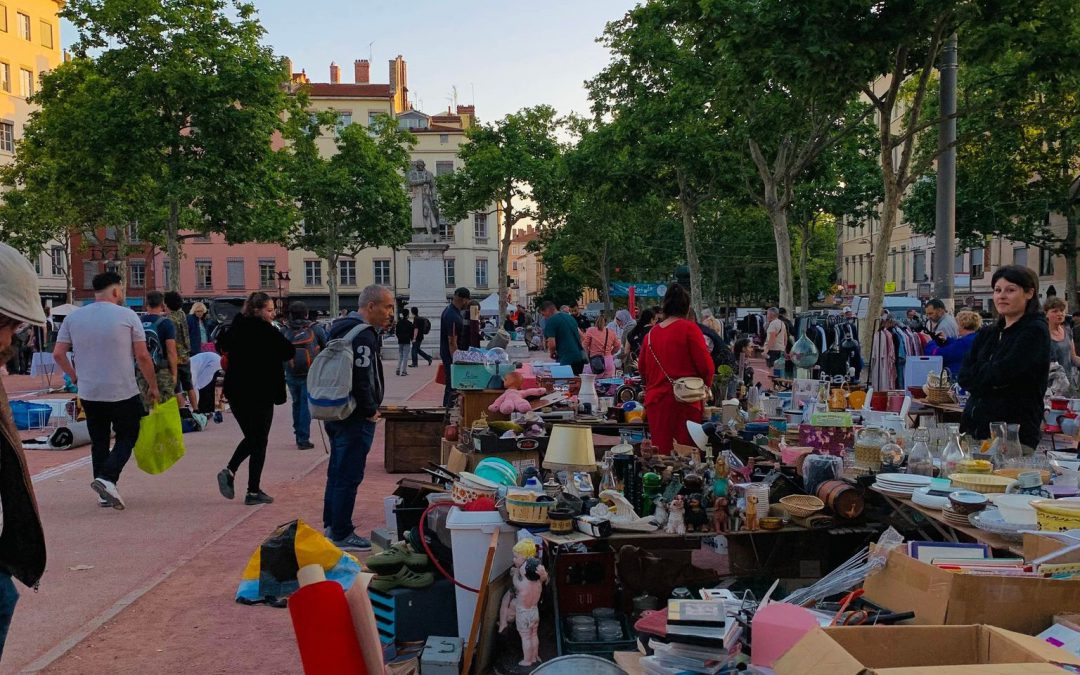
701, 433
570, 449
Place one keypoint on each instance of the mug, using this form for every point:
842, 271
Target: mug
1028, 480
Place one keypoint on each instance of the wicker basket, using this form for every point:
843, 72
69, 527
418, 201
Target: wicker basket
1057, 517
939, 395
978, 482
868, 457
802, 506
1014, 472
527, 512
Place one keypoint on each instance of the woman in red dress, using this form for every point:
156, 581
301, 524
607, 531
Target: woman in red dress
674, 348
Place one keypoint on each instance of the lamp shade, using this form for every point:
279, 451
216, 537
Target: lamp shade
699, 433
570, 448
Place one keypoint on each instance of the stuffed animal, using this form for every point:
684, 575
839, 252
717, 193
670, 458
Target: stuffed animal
513, 400
697, 518
675, 523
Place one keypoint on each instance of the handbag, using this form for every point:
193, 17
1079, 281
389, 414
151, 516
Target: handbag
686, 389
597, 363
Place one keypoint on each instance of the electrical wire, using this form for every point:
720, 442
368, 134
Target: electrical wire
427, 549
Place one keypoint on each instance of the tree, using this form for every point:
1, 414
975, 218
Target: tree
181, 101
510, 168
353, 200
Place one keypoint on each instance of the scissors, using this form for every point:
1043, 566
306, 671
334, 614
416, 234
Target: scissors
853, 618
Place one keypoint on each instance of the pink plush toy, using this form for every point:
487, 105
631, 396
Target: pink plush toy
513, 400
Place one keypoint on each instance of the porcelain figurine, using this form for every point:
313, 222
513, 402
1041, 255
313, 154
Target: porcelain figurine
751, 513
734, 519
520, 603
660, 514
720, 514
696, 517
675, 523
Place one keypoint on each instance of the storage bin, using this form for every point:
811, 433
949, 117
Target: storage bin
470, 534
475, 375
602, 648
30, 415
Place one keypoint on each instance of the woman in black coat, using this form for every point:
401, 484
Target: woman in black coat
1006, 370
254, 353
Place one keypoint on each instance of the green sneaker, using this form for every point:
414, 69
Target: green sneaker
399, 555
405, 578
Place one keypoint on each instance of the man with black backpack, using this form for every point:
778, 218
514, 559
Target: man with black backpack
308, 339
161, 342
421, 327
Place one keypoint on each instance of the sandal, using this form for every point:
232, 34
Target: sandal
399, 555
405, 578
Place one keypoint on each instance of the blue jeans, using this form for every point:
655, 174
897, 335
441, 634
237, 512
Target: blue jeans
301, 414
403, 353
350, 442
8, 597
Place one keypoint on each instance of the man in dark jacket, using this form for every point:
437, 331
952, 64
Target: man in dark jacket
22, 542
309, 339
350, 439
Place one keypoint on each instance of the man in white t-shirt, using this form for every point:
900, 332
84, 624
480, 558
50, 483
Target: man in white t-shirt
106, 338
775, 336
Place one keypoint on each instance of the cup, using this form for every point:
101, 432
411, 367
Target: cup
1028, 479
605, 403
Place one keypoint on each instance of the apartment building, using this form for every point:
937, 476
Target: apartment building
526, 269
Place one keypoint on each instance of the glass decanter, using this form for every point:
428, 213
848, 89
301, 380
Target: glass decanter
919, 460
953, 453
1011, 450
607, 479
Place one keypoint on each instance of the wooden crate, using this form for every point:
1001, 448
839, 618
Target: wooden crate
413, 438
475, 403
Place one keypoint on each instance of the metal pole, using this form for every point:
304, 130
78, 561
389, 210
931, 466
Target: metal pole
945, 227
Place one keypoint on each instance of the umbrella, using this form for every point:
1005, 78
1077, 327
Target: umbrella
64, 310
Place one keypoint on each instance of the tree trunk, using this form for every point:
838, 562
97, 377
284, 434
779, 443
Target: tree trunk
172, 244
879, 265
605, 278
504, 252
332, 282
686, 207
779, 219
805, 230
1071, 243
838, 264
69, 290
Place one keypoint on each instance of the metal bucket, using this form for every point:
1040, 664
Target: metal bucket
579, 664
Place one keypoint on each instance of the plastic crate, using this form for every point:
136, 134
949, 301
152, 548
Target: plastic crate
30, 415
598, 647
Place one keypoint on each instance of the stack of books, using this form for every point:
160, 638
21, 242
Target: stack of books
968, 558
701, 636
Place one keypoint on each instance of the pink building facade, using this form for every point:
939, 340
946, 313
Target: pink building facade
210, 267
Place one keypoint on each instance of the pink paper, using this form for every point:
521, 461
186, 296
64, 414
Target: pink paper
776, 628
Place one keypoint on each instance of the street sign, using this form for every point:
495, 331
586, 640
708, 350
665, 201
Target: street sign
620, 289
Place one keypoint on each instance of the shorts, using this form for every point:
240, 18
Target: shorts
165, 383
183, 374
527, 618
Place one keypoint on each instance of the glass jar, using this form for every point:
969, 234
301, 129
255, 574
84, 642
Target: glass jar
919, 460
892, 457
868, 444
953, 453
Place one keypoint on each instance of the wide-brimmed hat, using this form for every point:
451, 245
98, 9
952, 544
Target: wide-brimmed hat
19, 297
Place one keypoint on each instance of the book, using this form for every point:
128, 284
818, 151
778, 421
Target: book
927, 551
982, 562
708, 613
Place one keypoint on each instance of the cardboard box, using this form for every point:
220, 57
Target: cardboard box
1037, 545
921, 650
459, 461
1026, 605
489, 443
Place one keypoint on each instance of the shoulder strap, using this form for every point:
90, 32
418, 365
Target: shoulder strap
351, 335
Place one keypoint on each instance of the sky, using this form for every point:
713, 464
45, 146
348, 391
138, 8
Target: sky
502, 55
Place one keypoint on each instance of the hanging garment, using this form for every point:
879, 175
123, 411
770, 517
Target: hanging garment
883, 366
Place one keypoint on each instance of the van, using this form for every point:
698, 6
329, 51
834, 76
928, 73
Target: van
896, 305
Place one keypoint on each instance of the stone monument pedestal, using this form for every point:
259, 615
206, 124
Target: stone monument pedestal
427, 284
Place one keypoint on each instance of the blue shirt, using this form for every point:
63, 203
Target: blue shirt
564, 329
450, 323
953, 352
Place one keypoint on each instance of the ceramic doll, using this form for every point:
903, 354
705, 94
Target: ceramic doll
675, 523
520, 603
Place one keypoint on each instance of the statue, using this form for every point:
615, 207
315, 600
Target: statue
425, 205
720, 514
751, 515
696, 517
520, 603
675, 523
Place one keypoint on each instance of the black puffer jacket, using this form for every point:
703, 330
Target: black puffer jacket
1005, 373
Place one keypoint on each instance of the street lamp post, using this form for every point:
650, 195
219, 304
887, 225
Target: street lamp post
282, 278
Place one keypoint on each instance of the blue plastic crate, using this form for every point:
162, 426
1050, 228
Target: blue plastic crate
30, 415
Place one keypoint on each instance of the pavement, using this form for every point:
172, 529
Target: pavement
151, 589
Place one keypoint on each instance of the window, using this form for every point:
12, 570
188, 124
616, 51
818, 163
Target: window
382, 272
204, 275
344, 119
918, 266
37, 264
448, 272
482, 273
89, 271
443, 167
446, 232
267, 273
234, 273
313, 273
7, 137
1046, 263
133, 234
45, 28
165, 273
444, 139
22, 24
513, 266
26, 80
3, 18
978, 255
56, 259
347, 272
5, 77
136, 273
960, 263
1020, 256
480, 232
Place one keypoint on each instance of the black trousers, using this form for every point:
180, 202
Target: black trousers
254, 420
103, 418
418, 351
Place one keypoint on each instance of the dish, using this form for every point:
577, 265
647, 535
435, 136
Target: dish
922, 497
966, 502
904, 479
477, 481
990, 520
1016, 509
771, 523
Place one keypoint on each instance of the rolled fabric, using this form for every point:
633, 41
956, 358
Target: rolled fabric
324, 627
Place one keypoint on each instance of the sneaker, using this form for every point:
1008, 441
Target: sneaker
225, 483
103, 504
306, 445
429, 362
217, 417
405, 577
353, 542
107, 491
394, 558
260, 497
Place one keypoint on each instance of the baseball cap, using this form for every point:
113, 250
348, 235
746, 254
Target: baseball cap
19, 297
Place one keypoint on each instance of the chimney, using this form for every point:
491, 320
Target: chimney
362, 68
335, 73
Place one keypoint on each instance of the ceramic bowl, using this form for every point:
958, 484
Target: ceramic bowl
778, 523
1016, 509
966, 502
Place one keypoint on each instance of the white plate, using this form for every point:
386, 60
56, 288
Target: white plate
912, 480
922, 497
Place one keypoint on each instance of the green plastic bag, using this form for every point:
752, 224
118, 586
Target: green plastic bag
161, 438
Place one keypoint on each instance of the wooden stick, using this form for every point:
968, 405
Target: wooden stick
481, 600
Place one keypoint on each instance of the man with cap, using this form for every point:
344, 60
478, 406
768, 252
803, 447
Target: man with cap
451, 336
105, 336
22, 541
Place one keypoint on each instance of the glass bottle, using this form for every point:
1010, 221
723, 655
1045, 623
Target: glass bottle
607, 480
954, 452
919, 460
1011, 450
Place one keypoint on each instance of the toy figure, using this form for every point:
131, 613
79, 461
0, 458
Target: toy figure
720, 517
520, 602
734, 521
675, 523
660, 515
751, 513
721, 480
697, 518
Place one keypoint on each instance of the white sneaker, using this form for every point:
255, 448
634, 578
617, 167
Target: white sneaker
107, 491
